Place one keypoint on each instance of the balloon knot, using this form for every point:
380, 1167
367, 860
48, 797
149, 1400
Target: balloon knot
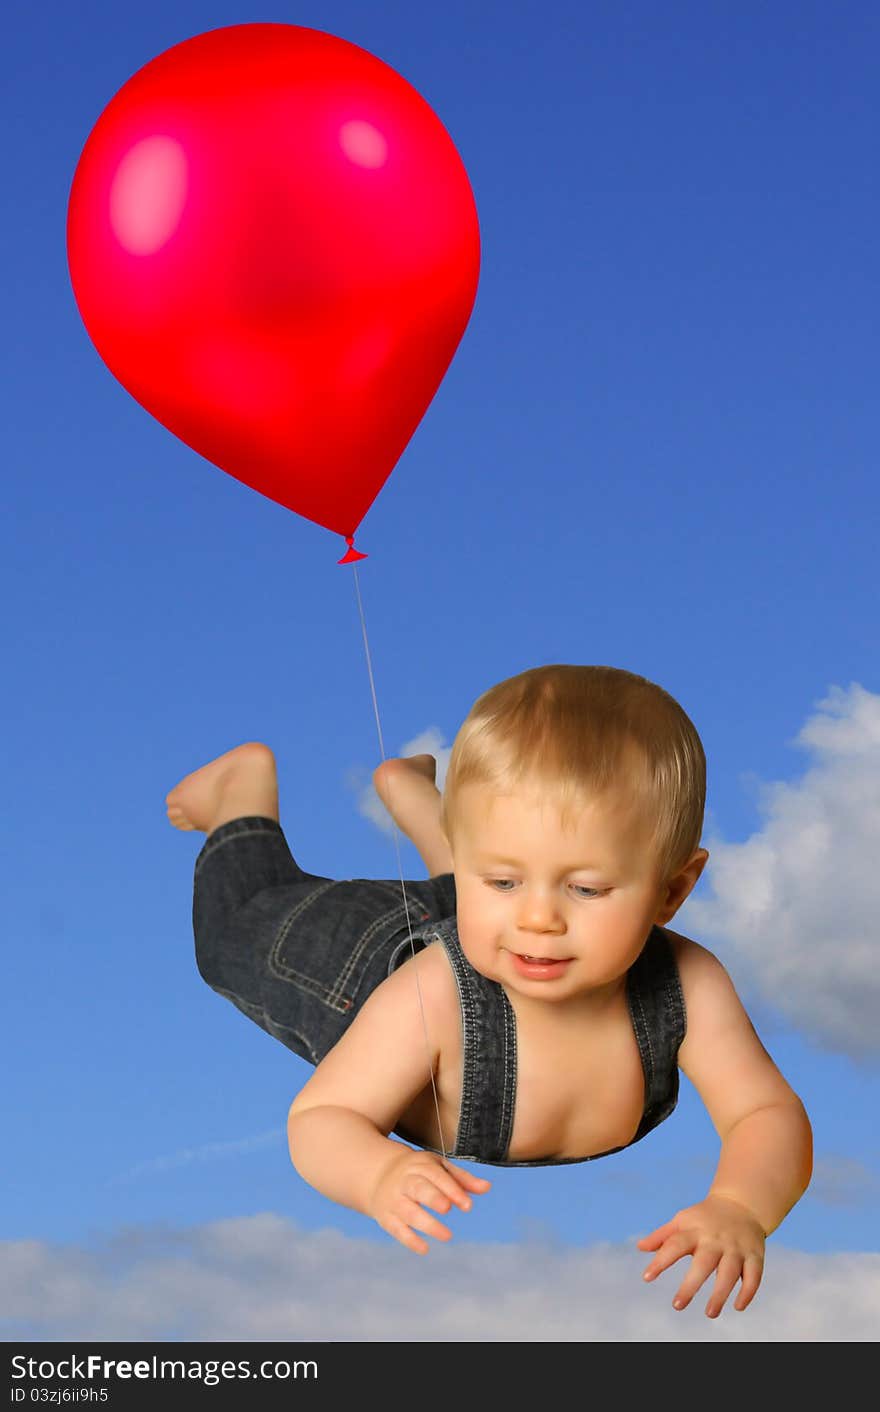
352, 554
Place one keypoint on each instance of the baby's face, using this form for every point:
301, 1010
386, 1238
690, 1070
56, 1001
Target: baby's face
581, 900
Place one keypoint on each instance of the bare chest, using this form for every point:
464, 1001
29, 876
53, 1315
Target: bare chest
579, 1089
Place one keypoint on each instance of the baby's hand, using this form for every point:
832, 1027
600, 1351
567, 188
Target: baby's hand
720, 1233
415, 1179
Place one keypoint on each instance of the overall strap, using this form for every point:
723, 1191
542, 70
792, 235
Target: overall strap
657, 1010
488, 1082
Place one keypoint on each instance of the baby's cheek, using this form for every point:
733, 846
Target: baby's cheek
469, 917
467, 933
478, 939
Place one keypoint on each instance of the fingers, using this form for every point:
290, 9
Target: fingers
656, 1238
720, 1235
397, 1227
409, 1217
729, 1271
455, 1183
753, 1269
730, 1268
418, 1219
437, 1190
706, 1258
674, 1247
438, 1187
466, 1179
704, 1262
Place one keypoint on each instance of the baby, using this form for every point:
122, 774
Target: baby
539, 1010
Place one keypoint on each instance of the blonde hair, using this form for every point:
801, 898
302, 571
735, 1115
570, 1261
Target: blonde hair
579, 733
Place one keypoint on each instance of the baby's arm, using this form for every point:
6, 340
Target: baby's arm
338, 1124
766, 1140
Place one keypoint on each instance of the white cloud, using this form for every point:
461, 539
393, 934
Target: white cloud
796, 906
261, 1278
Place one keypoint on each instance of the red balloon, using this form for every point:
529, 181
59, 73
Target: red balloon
274, 246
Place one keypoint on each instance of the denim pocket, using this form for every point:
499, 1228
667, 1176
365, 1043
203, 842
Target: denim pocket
332, 943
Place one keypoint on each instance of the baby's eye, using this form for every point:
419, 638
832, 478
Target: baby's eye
578, 887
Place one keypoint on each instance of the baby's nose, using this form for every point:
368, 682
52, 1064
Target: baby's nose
540, 914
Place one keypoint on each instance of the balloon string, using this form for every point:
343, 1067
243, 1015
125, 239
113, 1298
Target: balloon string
400, 870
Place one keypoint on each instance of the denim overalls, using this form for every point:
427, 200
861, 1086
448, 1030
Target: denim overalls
299, 954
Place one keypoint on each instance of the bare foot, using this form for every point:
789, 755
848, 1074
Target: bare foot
241, 782
407, 788
404, 766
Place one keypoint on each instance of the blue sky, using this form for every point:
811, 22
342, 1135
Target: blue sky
655, 448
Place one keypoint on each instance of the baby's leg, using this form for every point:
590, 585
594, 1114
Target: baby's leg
234, 800
407, 789
296, 952
247, 889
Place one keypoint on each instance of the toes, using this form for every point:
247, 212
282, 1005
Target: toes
178, 818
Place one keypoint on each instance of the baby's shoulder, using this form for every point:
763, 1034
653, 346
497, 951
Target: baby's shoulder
714, 1013
704, 980
721, 1053
428, 976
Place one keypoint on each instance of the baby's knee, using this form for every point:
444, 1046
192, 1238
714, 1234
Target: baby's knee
208, 958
